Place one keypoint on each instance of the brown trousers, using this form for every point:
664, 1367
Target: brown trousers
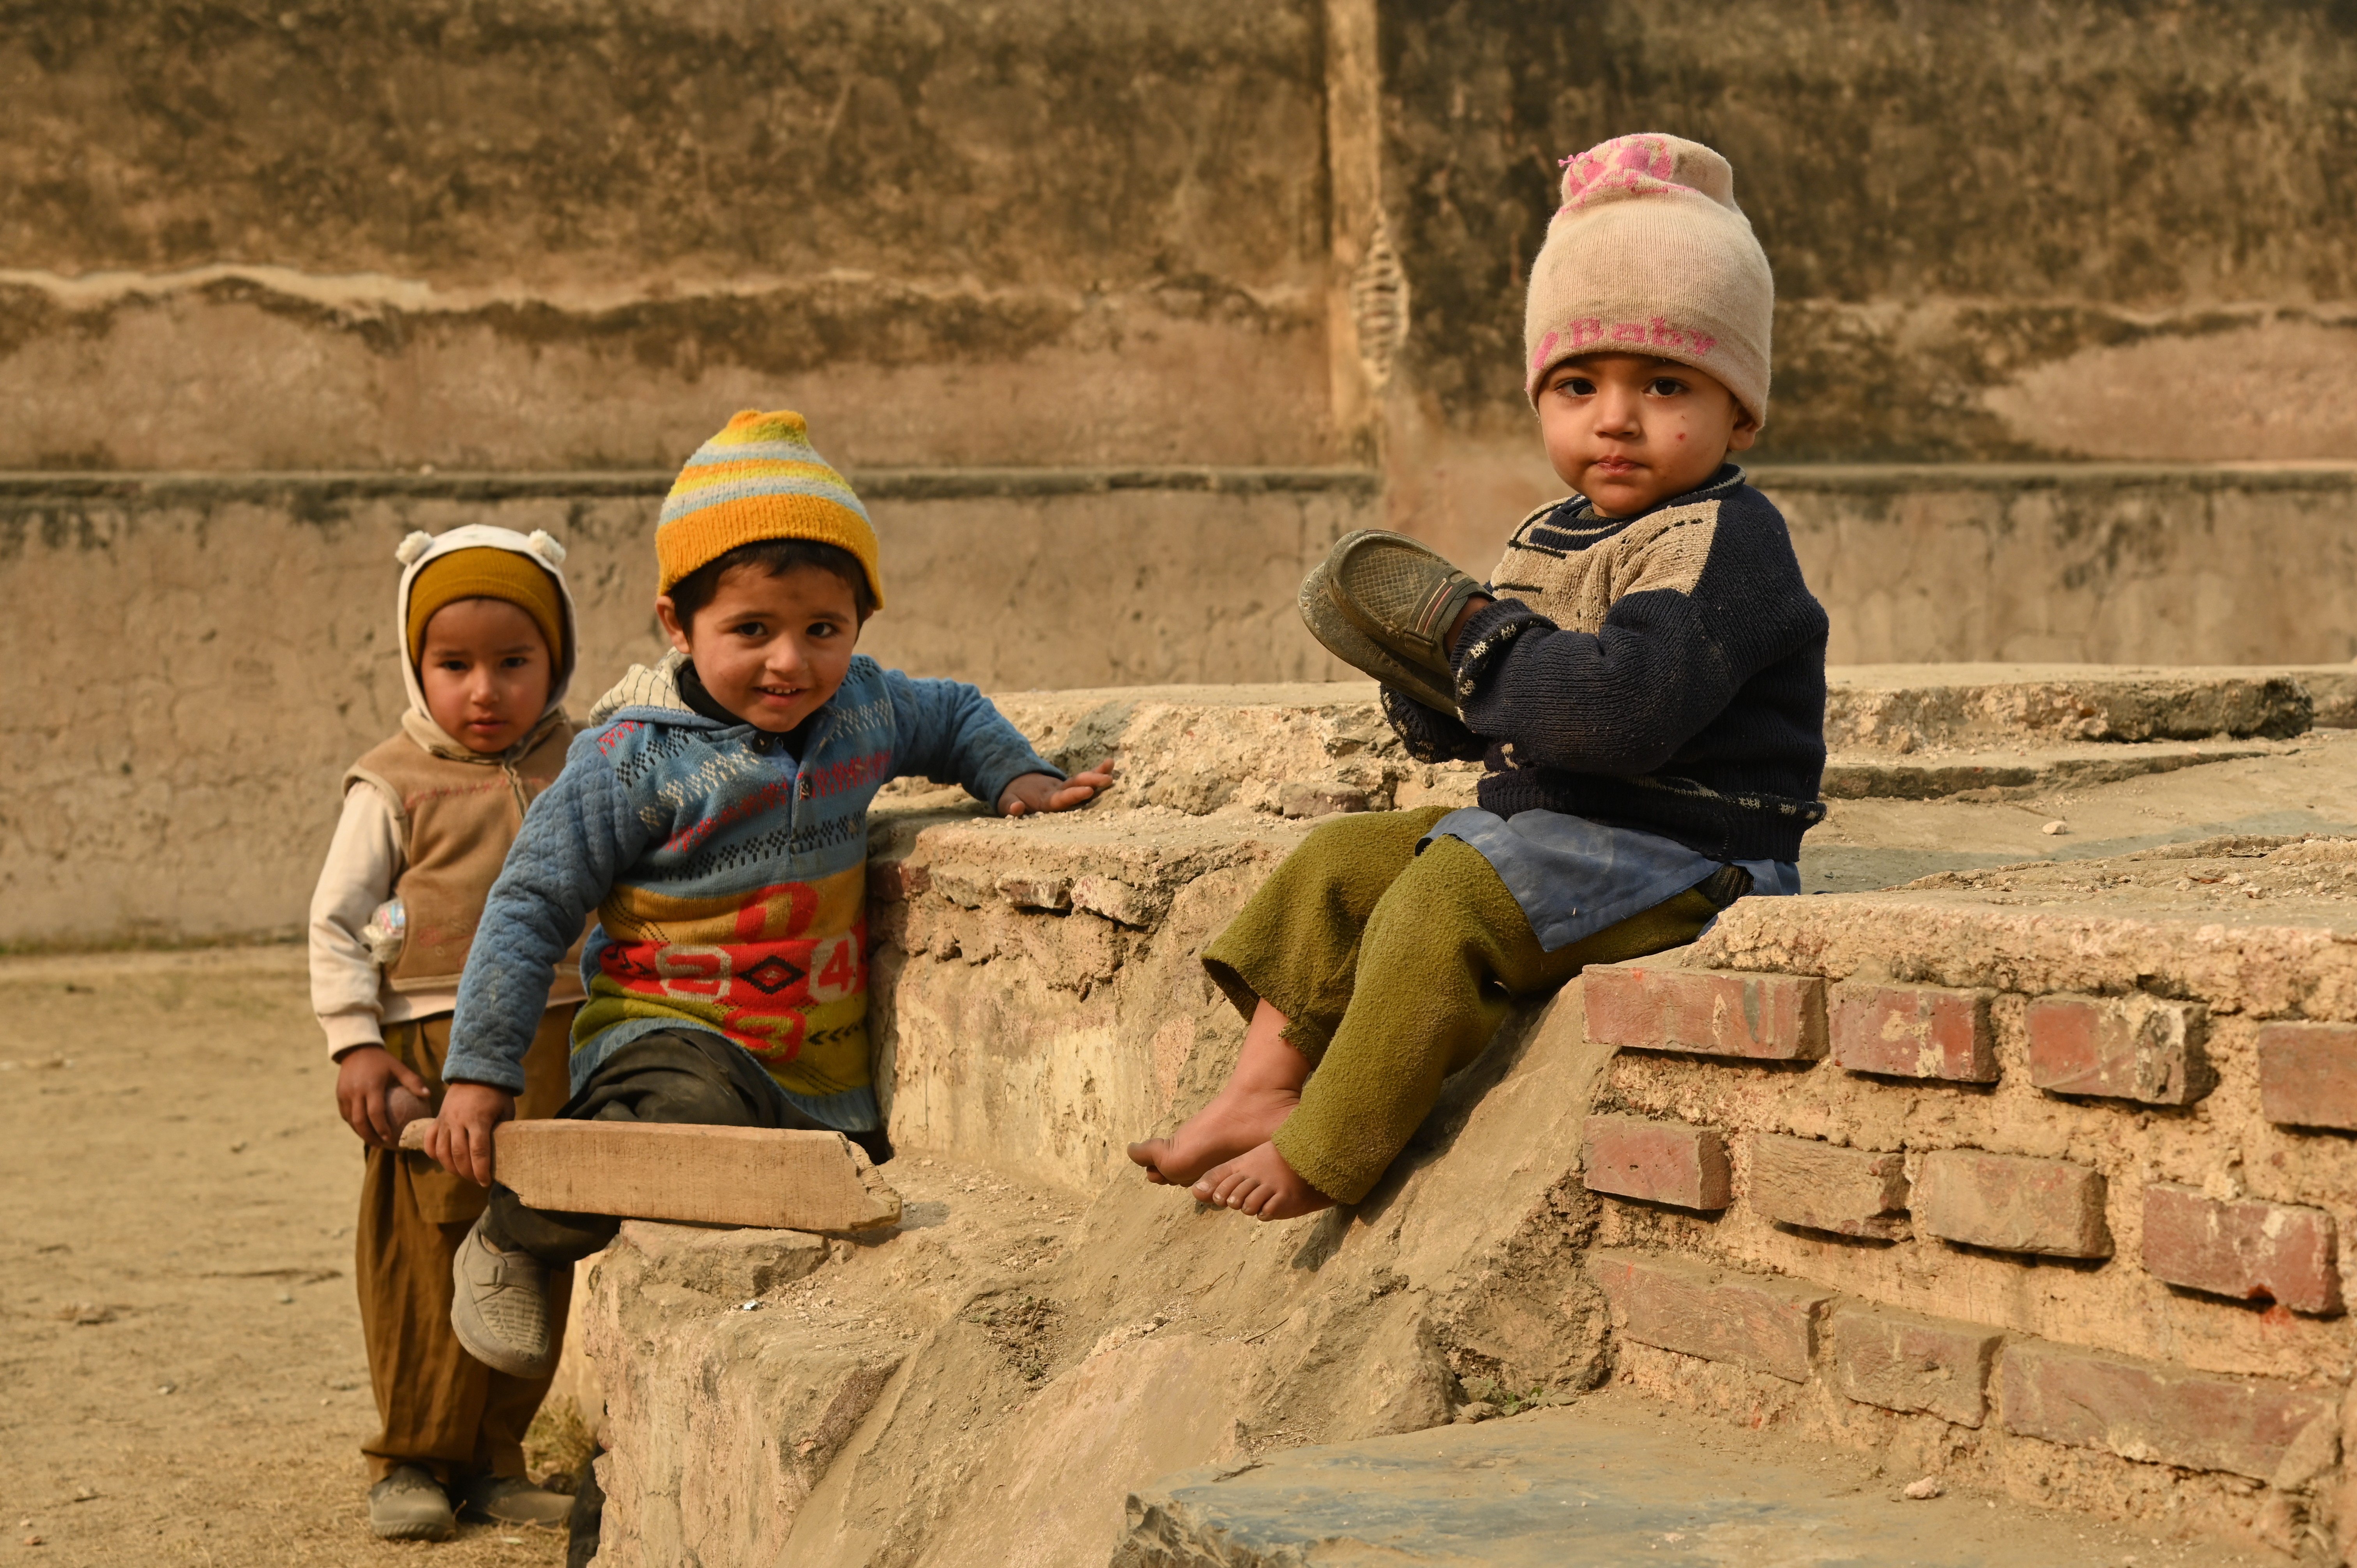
442, 1408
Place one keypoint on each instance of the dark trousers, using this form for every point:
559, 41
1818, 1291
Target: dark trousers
672, 1075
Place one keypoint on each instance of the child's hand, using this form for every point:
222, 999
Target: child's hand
1046, 792
461, 1140
378, 1094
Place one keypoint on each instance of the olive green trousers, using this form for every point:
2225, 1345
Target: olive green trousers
1393, 969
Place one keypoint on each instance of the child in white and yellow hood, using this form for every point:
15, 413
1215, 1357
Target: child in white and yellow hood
485, 626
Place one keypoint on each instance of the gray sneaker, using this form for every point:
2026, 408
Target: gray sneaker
500, 1308
512, 1499
410, 1505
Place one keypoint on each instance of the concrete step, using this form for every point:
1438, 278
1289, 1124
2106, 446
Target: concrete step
1608, 1480
2002, 775
1898, 732
1900, 706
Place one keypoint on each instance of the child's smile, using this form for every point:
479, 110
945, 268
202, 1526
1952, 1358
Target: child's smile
771, 649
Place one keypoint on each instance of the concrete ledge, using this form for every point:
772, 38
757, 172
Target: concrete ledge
883, 484
1904, 706
1601, 1482
1994, 776
944, 483
1893, 479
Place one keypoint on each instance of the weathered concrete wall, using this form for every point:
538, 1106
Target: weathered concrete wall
2096, 564
1200, 287
2003, 232
334, 235
191, 672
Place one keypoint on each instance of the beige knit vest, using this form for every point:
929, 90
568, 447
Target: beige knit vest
457, 820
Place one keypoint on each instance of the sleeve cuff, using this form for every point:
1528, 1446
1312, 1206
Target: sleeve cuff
349, 1031
1428, 735
1486, 639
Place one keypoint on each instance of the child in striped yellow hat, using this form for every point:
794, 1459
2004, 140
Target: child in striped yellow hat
714, 818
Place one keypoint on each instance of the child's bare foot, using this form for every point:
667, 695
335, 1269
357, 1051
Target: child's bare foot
1246, 1112
1239, 1119
1259, 1182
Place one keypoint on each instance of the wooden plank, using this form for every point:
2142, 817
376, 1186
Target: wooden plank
784, 1180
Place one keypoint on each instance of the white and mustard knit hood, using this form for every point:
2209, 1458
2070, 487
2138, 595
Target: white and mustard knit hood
419, 550
1650, 254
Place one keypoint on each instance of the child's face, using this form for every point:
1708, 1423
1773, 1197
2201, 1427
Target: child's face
485, 669
770, 649
1628, 430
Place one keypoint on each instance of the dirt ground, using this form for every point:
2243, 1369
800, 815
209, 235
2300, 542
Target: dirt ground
181, 1376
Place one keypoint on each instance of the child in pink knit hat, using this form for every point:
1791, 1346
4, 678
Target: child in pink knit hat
1643, 675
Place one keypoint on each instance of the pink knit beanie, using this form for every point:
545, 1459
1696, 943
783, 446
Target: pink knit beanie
1649, 254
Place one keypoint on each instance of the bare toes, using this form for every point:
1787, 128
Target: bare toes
1215, 1184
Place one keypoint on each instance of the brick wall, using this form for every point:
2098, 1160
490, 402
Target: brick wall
2079, 1244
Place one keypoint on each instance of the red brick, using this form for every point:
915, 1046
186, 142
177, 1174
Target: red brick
1900, 1361
1851, 1192
1716, 1012
1913, 1031
1759, 1321
2247, 1249
2163, 1414
1662, 1161
2119, 1048
2307, 1074
2011, 1203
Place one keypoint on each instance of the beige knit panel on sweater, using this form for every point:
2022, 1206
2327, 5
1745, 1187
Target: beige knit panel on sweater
1579, 573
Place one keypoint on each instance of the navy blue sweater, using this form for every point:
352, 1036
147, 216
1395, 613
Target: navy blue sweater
1664, 671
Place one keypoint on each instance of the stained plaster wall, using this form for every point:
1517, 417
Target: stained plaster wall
2090, 230
194, 671
555, 235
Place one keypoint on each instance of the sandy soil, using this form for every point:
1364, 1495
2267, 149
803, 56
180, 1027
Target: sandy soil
181, 1378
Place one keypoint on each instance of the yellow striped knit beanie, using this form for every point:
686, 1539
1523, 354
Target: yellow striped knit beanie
760, 478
